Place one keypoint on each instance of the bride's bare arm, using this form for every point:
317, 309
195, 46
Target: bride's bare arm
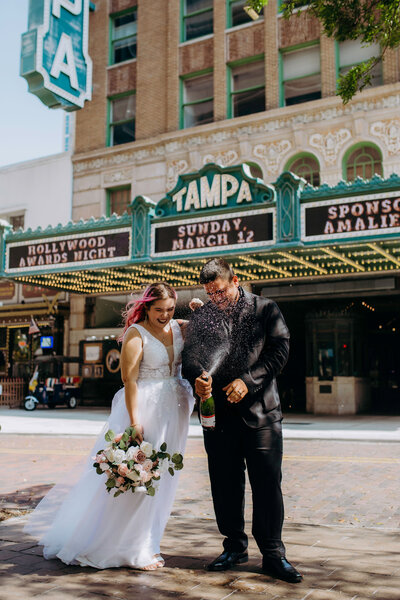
131, 357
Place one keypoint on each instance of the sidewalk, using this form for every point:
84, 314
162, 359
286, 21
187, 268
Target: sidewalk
89, 421
337, 563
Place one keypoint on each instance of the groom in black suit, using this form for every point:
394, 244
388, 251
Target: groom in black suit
241, 342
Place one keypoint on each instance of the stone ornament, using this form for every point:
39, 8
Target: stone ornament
389, 133
174, 169
330, 143
271, 154
229, 157
117, 176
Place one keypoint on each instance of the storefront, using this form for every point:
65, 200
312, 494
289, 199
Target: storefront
329, 255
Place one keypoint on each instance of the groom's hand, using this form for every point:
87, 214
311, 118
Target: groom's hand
203, 385
235, 391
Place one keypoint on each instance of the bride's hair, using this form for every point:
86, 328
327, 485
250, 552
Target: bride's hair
135, 310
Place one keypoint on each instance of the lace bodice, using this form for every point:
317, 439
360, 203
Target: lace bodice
155, 361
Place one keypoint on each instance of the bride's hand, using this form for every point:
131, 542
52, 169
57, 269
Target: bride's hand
139, 432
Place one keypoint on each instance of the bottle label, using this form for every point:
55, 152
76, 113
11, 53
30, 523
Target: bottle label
207, 422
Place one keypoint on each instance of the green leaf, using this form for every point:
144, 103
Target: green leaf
177, 458
122, 445
110, 435
118, 493
99, 471
125, 437
178, 467
110, 483
130, 464
171, 471
151, 491
163, 447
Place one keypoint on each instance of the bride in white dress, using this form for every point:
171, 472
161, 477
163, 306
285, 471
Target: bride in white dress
80, 523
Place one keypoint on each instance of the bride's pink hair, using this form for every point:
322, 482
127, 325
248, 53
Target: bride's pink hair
135, 310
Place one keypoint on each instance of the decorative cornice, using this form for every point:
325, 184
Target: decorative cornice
89, 225
224, 158
352, 188
237, 130
174, 169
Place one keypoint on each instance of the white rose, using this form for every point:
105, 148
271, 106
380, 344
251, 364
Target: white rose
119, 456
104, 466
146, 448
131, 452
110, 452
133, 476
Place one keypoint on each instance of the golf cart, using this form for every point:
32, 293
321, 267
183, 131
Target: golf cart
50, 387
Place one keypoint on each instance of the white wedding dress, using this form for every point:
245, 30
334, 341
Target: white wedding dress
80, 523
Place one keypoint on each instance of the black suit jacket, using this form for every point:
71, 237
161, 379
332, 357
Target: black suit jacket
250, 343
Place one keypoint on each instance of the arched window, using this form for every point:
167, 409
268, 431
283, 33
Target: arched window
306, 166
364, 161
255, 170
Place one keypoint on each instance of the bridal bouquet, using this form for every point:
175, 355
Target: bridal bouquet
133, 466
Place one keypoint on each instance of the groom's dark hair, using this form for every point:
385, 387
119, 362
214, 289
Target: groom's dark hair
214, 268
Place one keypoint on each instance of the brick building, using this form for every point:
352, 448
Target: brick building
178, 84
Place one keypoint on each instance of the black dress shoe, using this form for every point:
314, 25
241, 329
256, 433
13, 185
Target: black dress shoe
280, 568
227, 560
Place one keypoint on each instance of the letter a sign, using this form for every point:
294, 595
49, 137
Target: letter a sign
54, 53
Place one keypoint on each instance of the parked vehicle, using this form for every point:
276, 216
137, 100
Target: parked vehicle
49, 387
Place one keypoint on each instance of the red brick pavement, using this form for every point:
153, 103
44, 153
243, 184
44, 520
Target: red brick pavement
340, 498
330, 483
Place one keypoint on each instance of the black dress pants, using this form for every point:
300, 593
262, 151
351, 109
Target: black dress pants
231, 448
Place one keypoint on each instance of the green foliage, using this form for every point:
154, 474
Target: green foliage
151, 491
171, 471
369, 21
163, 447
110, 435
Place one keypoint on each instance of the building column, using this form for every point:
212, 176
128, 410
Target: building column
173, 23
271, 56
391, 66
76, 327
328, 66
219, 61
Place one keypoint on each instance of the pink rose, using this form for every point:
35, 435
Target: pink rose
140, 457
147, 465
100, 458
123, 469
144, 476
119, 481
118, 437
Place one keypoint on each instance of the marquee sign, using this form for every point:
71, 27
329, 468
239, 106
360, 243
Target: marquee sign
54, 53
106, 247
351, 217
215, 188
245, 230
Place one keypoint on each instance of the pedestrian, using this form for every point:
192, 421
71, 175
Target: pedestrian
240, 343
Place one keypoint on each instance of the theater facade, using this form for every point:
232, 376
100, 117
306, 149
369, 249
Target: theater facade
330, 256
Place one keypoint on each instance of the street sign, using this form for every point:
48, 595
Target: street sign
54, 53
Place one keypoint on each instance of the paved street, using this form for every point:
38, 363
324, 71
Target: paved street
341, 527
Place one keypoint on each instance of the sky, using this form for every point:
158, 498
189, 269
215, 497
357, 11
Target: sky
28, 129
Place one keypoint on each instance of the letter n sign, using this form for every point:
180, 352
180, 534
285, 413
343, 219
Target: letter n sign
54, 53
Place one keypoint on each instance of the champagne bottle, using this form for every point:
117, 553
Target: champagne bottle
207, 411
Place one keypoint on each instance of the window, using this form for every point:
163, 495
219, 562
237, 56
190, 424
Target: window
17, 221
122, 120
118, 200
236, 14
247, 89
364, 161
301, 75
351, 53
198, 103
123, 37
197, 19
305, 166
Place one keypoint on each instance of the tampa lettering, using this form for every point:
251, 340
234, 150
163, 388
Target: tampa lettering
199, 194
